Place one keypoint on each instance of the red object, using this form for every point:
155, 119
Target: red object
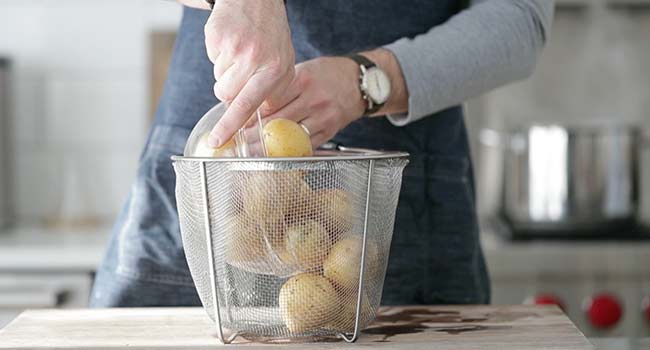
646, 308
603, 310
548, 299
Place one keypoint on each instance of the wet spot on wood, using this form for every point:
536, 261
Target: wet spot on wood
454, 330
389, 331
418, 320
424, 315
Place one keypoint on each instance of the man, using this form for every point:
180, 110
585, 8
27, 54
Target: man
421, 59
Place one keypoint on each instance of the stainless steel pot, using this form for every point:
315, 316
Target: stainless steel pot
5, 146
581, 178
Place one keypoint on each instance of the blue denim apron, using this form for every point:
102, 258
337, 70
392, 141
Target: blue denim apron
435, 254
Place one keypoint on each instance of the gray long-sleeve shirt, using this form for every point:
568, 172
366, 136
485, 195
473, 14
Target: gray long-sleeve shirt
491, 43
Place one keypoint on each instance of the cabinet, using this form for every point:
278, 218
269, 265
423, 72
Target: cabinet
20, 291
47, 268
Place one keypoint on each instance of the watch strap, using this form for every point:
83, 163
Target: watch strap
361, 60
374, 108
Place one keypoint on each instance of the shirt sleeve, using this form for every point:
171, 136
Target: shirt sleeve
491, 43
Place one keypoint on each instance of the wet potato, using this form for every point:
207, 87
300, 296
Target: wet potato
269, 195
204, 150
250, 244
343, 262
244, 241
344, 320
334, 210
307, 301
260, 199
286, 138
307, 244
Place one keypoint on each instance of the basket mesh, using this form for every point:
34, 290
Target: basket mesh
286, 241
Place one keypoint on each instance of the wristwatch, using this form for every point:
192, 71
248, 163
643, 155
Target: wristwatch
373, 83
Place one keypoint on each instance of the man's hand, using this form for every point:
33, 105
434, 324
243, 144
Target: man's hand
325, 95
249, 43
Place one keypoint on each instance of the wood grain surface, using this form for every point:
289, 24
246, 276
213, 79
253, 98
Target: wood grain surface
412, 328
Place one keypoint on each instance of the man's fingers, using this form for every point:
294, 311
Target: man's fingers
212, 39
309, 126
242, 107
318, 140
296, 110
284, 92
221, 65
318, 128
212, 51
282, 95
232, 81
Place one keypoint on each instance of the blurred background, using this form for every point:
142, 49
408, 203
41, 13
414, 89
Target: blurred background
79, 82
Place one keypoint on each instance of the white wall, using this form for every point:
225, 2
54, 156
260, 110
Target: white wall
595, 68
80, 95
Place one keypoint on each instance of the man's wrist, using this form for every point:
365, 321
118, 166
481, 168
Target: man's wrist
211, 3
350, 74
398, 100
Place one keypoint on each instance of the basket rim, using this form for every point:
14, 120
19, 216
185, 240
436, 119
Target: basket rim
344, 153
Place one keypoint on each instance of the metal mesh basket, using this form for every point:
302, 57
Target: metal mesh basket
275, 245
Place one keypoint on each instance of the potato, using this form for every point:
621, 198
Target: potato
344, 319
203, 149
266, 196
307, 301
285, 258
256, 247
343, 261
286, 138
244, 241
296, 188
308, 244
275, 233
334, 210
260, 197
269, 195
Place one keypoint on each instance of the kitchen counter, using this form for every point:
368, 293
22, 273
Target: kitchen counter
621, 343
445, 327
34, 248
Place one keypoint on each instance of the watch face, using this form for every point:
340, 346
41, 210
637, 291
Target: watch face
377, 85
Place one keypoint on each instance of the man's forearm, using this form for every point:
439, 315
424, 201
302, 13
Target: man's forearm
479, 49
199, 4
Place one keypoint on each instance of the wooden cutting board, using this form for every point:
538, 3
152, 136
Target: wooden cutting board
413, 328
